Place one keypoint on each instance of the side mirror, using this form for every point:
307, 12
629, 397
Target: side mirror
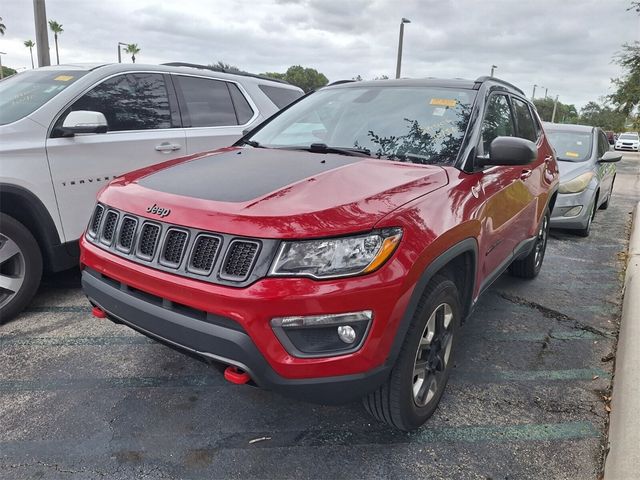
510, 151
84, 121
610, 156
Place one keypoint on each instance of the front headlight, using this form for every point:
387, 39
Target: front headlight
336, 257
577, 184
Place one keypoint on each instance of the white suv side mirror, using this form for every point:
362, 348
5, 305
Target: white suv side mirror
84, 121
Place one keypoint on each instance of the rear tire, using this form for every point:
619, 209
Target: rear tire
419, 377
20, 267
529, 266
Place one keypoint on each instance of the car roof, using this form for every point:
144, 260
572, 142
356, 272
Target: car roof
567, 127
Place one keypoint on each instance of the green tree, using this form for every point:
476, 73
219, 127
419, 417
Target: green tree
56, 28
602, 116
3, 27
626, 97
133, 49
225, 67
564, 113
8, 71
29, 44
307, 79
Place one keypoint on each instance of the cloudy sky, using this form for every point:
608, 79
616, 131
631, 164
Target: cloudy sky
563, 45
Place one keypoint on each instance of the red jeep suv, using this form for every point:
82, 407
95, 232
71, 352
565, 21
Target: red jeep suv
334, 251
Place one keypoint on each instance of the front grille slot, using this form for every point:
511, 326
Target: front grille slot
239, 261
173, 249
203, 255
148, 240
127, 234
109, 227
95, 221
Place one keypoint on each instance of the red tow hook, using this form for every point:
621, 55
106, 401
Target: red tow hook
98, 312
235, 375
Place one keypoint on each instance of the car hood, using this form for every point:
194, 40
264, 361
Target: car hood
570, 170
273, 193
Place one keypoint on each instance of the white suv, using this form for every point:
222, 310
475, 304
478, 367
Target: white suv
628, 141
65, 131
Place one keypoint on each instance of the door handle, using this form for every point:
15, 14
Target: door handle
166, 147
526, 173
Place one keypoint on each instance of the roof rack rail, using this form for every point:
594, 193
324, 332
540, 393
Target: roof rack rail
340, 82
222, 70
484, 78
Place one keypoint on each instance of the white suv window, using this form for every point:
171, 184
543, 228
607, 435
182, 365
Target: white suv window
207, 102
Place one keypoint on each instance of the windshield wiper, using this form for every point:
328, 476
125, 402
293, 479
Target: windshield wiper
251, 143
324, 148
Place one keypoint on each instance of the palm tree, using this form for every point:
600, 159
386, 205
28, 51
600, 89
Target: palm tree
133, 49
56, 28
29, 44
2, 27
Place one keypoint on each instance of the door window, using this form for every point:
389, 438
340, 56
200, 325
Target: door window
526, 127
603, 146
207, 102
243, 109
134, 101
498, 121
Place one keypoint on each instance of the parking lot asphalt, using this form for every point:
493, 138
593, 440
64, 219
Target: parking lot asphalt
83, 398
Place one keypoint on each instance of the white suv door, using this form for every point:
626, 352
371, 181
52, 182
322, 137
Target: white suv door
143, 129
214, 112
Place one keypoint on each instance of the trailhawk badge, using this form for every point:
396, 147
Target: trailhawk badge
156, 210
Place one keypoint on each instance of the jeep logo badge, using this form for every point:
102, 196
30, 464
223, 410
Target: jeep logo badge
156, 210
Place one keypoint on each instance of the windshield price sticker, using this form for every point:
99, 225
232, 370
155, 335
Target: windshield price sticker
572, 154
444, 102
63, 78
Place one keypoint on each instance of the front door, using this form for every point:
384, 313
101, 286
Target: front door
143, 130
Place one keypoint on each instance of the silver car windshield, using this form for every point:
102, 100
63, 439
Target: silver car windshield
422, 125
571, 146
25, 92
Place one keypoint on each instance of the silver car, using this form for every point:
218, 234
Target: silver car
587, 174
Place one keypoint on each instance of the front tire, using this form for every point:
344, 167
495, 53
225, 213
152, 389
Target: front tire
20, 267
421, 372
586, 231
529, 266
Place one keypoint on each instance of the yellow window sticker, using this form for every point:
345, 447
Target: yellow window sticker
63, 78
444, 102
572, 154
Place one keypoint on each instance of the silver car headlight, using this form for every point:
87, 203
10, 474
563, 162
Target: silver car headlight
576, 184
336, 257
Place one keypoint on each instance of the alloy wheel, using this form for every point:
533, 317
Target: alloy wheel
541, 241
432, 356
12, 269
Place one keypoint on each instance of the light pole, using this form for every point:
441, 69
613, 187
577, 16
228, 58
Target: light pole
1, 72
493, 67
553, 115
546, 91
399, 62
533, 95
119, 54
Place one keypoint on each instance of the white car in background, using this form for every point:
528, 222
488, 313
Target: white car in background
628, 141
66, 131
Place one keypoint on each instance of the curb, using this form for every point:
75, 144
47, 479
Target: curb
623, 460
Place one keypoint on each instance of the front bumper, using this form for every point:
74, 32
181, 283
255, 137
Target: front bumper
568, 201
232, 325
628, 148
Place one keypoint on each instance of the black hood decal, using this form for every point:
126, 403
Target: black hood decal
242, 175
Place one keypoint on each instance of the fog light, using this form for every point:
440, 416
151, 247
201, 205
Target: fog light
346, 333
323, 335
573, 211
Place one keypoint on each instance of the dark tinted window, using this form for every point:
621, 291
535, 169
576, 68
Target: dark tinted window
497, 121
526, 127
603, 146
243, 110
135, 101
207, 102
281, 97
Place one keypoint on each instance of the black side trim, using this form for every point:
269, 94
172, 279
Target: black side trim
467, 245
522, 249
25, 207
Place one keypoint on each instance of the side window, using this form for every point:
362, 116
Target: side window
498, 121
134, 101
603, 143
207, 102
281, 97
243, 109
524, 120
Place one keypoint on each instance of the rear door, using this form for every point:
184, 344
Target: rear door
143, 129
214, 112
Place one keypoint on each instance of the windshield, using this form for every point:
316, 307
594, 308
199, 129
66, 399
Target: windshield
628, 136
414, 124
23, 93
571, 146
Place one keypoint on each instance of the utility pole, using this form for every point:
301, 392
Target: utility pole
555, 104
400, 39
533, 95
42, 35
120, 54
546, 90
493, 67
